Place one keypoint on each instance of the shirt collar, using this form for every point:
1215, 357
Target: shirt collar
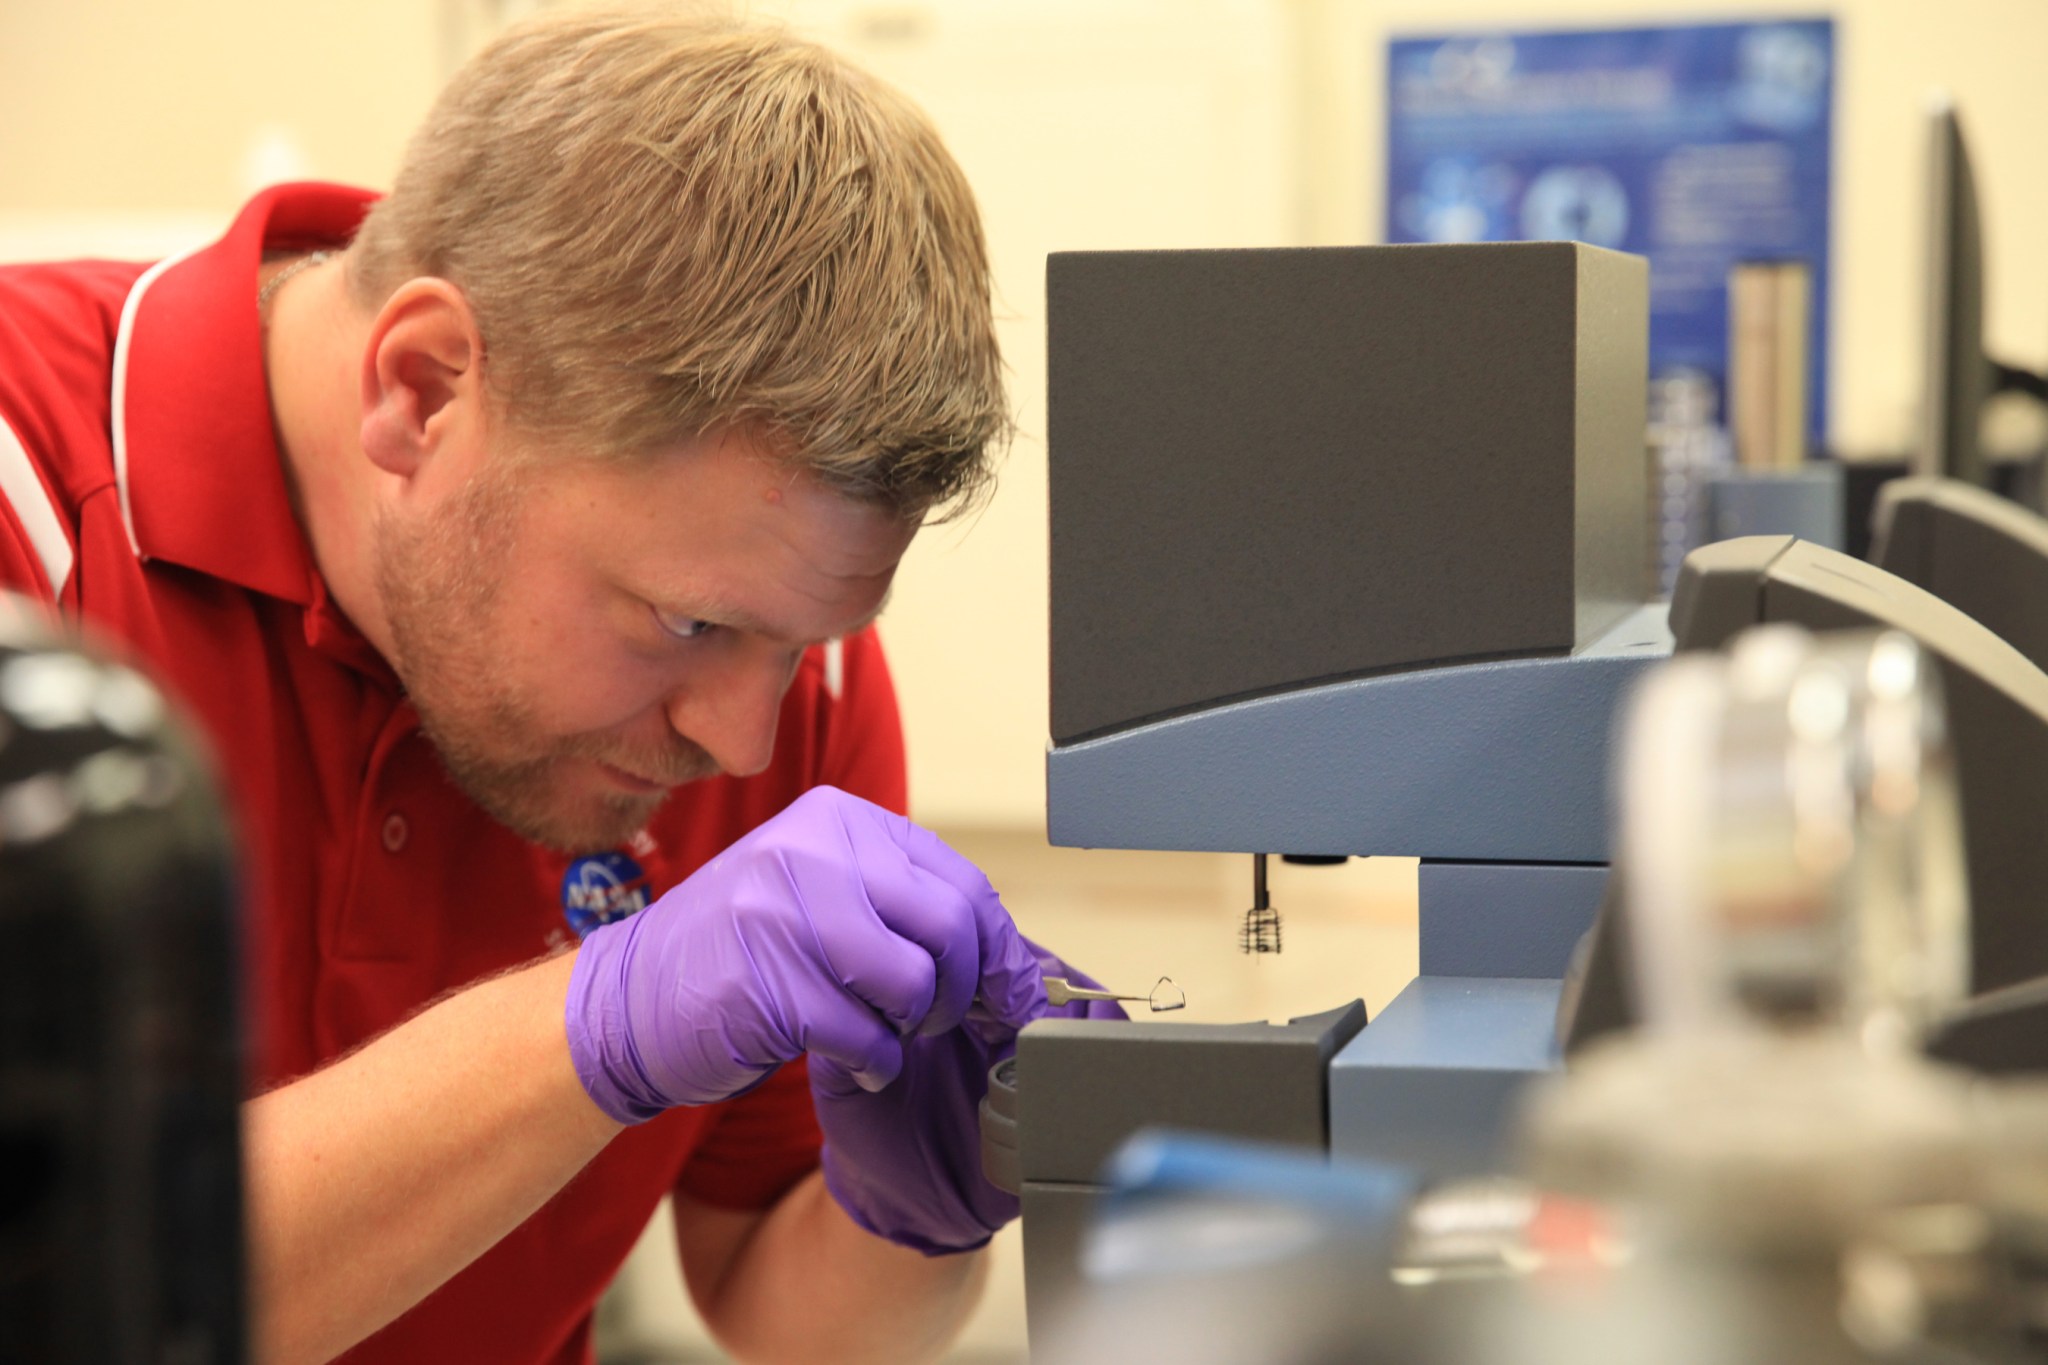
201, 480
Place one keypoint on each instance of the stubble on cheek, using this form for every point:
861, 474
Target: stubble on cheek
440, 586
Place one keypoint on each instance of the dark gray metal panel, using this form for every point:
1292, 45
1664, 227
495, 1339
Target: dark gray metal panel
1505, 919
1902, 531
1504, 761
1084, 1085
1981, 553
1859, 594
1720, 590
1274, 467
1436, 1091
2002, 1034
2001, 752
1611, 484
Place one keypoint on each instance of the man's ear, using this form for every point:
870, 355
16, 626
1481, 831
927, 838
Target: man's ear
422, 376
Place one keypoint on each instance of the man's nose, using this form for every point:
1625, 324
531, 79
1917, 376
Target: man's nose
731, 708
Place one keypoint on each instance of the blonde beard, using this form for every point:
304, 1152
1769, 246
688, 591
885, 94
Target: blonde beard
438, 584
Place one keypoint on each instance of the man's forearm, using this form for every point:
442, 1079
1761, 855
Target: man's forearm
375, 1180
808, 1285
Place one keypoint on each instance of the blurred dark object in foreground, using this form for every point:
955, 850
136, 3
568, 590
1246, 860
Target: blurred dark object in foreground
120, 1057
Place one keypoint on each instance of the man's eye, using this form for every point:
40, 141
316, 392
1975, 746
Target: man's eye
683, 627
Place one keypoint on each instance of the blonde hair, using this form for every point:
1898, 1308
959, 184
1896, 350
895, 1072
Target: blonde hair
667, 221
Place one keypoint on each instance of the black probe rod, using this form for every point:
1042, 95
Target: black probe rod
1259, 900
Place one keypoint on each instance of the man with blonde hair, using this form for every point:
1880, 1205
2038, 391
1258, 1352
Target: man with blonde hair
516, 539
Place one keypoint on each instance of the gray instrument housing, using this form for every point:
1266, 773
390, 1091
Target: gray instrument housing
1502, 761
1276, 468
1085, 1085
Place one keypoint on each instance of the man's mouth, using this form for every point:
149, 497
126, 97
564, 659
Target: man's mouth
632, 782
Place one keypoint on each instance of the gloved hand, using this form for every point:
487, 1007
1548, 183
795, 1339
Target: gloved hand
836, 928
905, 1161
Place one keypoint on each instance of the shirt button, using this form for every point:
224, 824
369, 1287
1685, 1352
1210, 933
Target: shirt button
396, 831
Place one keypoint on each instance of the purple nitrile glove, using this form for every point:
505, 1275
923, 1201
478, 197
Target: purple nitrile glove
905, 1161
836, 928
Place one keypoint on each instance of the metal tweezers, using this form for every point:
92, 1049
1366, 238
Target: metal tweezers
1165, 995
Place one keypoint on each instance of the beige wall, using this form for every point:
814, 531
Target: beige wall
124, 105
136, 126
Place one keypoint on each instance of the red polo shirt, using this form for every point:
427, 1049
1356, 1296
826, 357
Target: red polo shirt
141, 493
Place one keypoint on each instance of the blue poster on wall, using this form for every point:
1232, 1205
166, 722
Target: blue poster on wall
1697, 147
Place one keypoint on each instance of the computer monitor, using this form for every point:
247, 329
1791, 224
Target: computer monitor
1957, 375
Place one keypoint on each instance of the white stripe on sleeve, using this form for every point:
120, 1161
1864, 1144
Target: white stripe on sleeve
33, 507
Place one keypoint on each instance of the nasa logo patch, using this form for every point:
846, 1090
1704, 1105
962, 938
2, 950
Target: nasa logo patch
601, 888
